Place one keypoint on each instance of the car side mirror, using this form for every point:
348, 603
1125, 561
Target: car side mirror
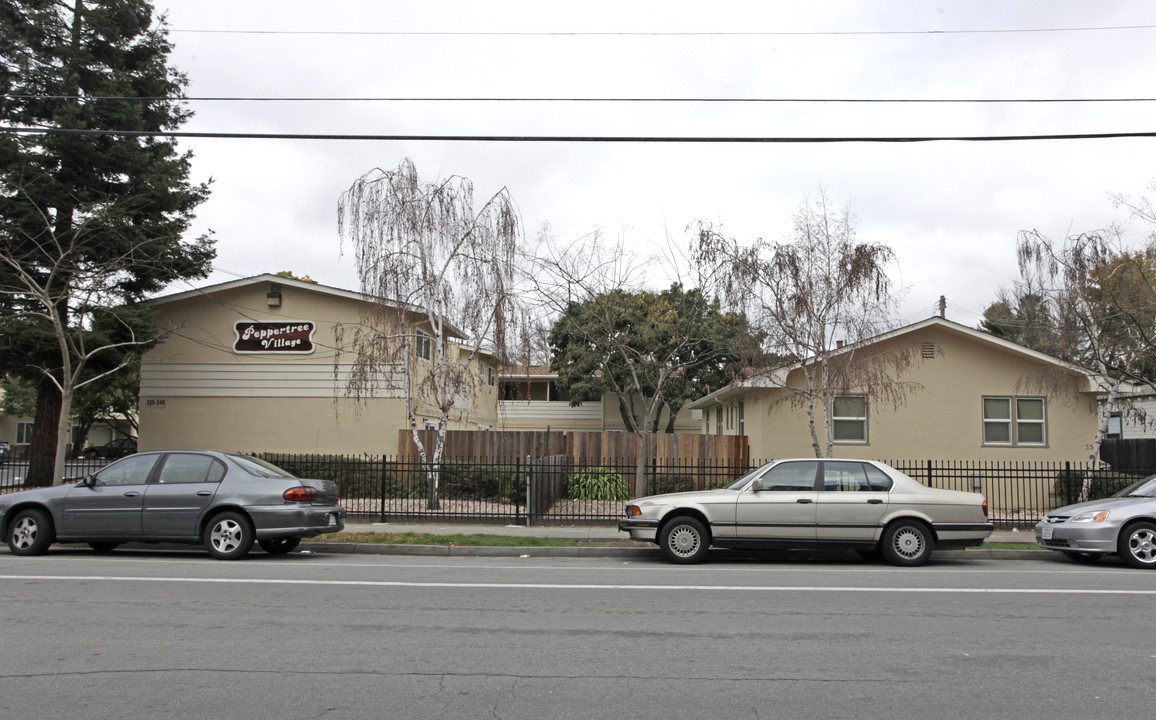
757, 486
89, 480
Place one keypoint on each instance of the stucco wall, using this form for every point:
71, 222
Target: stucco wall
196, 392
944, 419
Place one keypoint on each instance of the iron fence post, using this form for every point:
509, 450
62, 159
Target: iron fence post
384, 461
529, 495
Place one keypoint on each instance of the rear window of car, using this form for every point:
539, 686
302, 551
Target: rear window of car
260, 468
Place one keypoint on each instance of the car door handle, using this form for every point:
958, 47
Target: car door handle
204, 493
874, 501
804, 500
132, 493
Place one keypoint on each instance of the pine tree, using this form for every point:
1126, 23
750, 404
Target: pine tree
77, 204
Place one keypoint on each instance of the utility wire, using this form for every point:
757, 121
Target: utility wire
780, 33
582, 138
587, 99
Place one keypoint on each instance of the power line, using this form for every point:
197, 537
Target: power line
583, 138
407, 99
700, 33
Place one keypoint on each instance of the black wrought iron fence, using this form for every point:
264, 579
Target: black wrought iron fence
14, 472
522, 490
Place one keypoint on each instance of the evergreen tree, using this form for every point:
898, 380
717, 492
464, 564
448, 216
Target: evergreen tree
93, 205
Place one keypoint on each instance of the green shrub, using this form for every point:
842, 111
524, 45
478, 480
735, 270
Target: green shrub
1104, 483
597, 484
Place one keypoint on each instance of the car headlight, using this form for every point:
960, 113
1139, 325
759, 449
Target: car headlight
1091, 517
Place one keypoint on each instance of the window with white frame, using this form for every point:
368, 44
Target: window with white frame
424, 346
742, 419
849, 419
718, 420
1014, 421
23, 433
490, 376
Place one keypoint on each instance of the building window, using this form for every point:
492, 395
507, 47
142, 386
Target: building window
718, 420
849, 419
742, 419
1115, 425
490, 376
424, 346
1014, 421
23, 433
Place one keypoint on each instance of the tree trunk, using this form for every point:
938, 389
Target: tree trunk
42, 447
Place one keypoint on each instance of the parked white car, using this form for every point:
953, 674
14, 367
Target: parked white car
863, 505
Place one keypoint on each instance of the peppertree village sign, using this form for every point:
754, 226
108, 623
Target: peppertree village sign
278, 338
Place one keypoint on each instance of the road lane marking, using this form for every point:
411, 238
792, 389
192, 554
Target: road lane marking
583, 586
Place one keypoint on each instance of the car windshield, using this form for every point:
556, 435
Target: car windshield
260, 468
1143, 488
737, 484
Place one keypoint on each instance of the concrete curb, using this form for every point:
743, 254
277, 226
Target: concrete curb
645, 552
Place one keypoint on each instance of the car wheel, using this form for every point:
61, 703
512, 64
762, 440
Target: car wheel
684, 540
1137, 545
104, 547
279, 546
30, 533
1086, 558
906, 543
229, 536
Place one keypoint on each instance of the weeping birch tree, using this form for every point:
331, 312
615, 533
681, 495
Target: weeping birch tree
1096, 292
436, 274
814, 298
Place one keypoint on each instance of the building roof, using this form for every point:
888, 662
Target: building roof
777, 377
314, 287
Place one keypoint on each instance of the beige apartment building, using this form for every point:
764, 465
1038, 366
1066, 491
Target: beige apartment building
251, 365
971, 397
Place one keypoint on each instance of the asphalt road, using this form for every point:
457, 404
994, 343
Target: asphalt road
140, 634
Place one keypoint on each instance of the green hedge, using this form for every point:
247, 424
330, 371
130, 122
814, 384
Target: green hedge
1104, 483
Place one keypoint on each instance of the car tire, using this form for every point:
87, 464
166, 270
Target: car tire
279, 546
104, 547
1084, 558
907, 543
1137, 545
684, 540
31, 532
228, 536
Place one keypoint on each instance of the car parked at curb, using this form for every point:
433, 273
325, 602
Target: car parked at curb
223, 501
1123, 524
862, 505
112, 449
5, 451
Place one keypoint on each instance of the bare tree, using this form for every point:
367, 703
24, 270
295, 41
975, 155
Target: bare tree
437, 281
1102, 300
652, 350
815, 299
53, 286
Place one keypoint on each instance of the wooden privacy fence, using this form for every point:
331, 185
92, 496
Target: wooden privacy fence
575, 446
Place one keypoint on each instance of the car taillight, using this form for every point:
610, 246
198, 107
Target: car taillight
300, 494
985, 508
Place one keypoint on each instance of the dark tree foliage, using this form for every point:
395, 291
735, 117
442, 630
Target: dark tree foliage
654, 349
80, 204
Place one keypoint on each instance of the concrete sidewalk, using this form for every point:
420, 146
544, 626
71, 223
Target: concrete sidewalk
605, 541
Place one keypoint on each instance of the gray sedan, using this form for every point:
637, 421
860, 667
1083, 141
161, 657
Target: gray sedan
220, 500
1124, 524
858, 504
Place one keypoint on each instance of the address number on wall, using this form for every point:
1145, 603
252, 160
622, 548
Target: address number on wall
155, 403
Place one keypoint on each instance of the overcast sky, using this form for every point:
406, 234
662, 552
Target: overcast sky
951, 211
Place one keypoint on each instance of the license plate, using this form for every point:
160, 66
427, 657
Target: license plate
1045, 533
333, 520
